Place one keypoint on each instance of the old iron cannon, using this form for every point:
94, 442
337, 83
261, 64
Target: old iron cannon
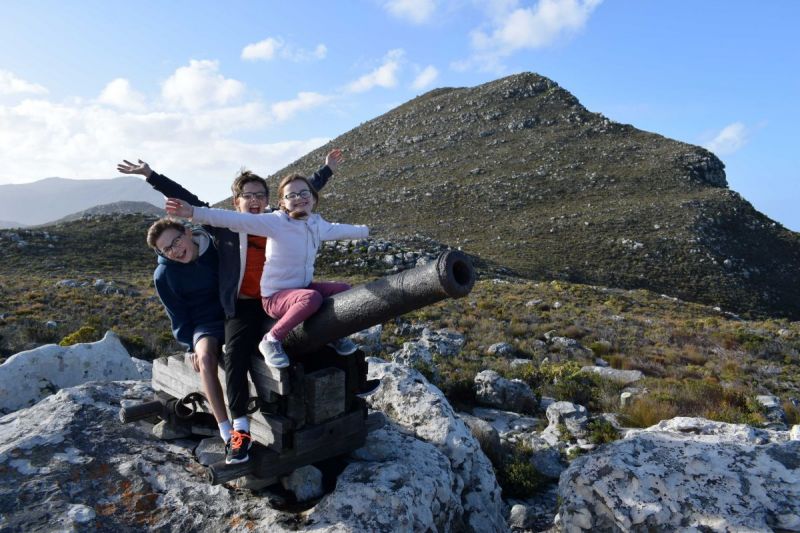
309, 411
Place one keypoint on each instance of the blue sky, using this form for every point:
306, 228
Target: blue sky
199, 89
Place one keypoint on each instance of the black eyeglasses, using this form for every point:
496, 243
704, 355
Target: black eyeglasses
253, 195
168, 250
305, 193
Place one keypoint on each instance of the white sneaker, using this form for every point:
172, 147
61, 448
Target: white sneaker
273, 353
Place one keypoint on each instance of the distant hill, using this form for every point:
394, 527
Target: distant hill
50, 199
518, 172
9, 224
116, 208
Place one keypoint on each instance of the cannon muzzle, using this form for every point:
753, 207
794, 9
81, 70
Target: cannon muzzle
451, 275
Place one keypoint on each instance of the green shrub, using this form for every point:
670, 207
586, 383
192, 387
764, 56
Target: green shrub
82, 334
602, 431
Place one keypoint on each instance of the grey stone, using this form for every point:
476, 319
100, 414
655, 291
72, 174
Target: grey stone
501, 349
496, 391
305, 482
686, 474
624, 377
27, 377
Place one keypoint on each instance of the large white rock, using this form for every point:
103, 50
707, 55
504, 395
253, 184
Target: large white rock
685, 474
421, 409
68, 464
27, 377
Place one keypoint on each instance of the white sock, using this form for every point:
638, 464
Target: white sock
241, 424
225, 429
270, 337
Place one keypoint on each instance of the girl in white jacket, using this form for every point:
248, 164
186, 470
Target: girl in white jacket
294, 234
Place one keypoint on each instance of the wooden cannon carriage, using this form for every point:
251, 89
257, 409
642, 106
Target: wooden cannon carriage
310, 411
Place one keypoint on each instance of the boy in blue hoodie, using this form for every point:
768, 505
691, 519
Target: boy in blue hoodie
187, 281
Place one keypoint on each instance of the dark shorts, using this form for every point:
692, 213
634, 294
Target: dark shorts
212, 329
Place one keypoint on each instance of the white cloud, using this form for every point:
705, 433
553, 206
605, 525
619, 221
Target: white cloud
730, 139
11, 84
197, 131
384, 76
304, 101
262, 50
513, 28
273, 47
425, 78
119, 93
200, 85
39, 139
414, 11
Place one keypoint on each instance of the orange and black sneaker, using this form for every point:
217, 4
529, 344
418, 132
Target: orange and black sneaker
236, 449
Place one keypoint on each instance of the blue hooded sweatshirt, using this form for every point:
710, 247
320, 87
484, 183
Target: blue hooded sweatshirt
189, 292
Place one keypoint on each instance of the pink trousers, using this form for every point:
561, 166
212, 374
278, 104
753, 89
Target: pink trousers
291, 306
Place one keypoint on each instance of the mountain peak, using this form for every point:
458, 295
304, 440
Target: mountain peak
518, 172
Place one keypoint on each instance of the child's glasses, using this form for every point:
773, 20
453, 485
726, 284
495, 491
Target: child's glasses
168, 250
253, 196
295, 195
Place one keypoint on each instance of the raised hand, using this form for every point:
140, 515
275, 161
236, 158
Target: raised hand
333, 159
178, 208
126, 167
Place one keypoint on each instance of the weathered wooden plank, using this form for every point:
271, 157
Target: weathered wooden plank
265, 377
324, 394
269, 465
328, 433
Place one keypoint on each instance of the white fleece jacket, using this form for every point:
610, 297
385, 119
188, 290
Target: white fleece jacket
291, 244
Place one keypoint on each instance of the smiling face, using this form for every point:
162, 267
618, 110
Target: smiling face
253, 198
177, 246
297, 198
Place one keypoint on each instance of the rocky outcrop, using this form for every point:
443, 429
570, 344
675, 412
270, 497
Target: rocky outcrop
27, 377
67, 463
686, 474
421, 409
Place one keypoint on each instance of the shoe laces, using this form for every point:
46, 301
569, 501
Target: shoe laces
238, 438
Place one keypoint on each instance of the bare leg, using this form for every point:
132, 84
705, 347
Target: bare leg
206, 350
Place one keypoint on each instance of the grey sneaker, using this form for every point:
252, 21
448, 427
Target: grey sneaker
343, 346
273, 353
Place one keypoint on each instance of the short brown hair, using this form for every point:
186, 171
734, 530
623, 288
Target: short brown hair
160, 226
294, 177
245, 177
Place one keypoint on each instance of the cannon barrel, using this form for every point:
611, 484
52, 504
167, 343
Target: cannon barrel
451, 275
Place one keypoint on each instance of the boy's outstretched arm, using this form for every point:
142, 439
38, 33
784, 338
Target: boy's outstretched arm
162, 184
321, 176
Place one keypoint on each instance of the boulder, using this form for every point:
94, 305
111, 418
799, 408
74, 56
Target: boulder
487, 436
508, 394
501, 349
68, 464
445, 342
305, 482
570, 348
567, 415
423, 411
27, 377
687, 474
623, 377
413, 354
369, 340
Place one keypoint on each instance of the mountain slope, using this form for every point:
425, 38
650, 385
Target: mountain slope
519, 173
52, 198
116, 208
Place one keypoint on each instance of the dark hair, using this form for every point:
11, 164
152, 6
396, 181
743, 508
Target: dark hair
245, 177
294, 177
160, 226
